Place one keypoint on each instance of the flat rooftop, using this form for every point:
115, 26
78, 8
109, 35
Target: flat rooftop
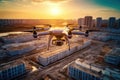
84, 68
10, 64
115, 52
57, 49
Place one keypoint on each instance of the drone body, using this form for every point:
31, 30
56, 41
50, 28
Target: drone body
58, 35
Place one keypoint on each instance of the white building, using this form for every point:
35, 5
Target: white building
51, 56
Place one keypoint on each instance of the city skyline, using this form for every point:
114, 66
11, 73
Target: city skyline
58, 9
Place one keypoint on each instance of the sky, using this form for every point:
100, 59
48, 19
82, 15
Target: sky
58, 9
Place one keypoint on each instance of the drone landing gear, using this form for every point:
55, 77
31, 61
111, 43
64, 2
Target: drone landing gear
67, 41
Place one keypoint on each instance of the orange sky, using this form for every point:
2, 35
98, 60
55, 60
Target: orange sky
53, 9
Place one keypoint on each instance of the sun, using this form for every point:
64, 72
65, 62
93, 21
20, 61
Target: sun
55, 11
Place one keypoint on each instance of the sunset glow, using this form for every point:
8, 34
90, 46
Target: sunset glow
55, 11
58, 9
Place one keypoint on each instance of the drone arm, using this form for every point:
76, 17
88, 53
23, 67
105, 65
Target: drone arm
78, 33
43, 33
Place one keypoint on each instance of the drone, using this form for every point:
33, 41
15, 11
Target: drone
61, 34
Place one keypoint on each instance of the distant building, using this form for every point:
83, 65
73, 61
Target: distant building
88, 21
81, 21
11, 70
98, 22
105, 23
112, 22
113, 57
111, 74
4, 22
9, 22
118, 23
93, 23
82, 71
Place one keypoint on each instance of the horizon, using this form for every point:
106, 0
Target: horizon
58, 9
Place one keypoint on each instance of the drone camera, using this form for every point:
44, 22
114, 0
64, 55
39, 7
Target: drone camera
34, 34
58, 42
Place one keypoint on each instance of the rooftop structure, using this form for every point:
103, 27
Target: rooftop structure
84, 71
111, 73
5, 66
88, 21
113, 57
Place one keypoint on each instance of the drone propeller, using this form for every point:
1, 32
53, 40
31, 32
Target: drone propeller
34, 32
87, 33
80, 28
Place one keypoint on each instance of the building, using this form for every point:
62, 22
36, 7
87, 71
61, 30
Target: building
118, 23
99, 22
113, 57
111, 74
9, 22
15, 37
88, 21
5, 22
81, 21
11, 70
112, 22
83, 71
55, 54
105, 23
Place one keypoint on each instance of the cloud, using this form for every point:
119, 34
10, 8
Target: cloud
54, 1
108, 10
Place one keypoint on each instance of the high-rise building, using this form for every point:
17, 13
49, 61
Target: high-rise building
98, 22
88, 21
105, 23
112, 22
118, 23
81, 21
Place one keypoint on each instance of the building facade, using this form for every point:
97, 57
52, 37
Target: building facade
98, 22
112, 22
48, 57
118, 23
12, 70
81, 21
83, 71
88, 21
4, 22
